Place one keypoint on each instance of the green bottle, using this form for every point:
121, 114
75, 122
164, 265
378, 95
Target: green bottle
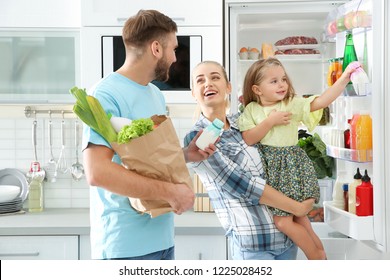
349, 51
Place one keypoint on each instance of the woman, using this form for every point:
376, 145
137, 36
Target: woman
233, 177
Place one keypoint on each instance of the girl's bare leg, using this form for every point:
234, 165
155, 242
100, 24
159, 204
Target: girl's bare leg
305, 222
300, 236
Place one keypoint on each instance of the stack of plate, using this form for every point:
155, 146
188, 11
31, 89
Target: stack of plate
11, 206
14, 177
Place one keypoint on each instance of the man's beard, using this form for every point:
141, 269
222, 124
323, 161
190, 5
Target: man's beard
162, 70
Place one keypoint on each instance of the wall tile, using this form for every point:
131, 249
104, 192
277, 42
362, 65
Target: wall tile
16, 151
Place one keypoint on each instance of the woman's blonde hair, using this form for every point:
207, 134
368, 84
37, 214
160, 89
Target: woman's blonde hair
255, 75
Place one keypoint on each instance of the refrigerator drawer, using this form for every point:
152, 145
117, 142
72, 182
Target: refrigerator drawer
359, 228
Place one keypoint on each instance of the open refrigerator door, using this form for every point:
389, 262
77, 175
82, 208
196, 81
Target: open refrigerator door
257, 29
369, 28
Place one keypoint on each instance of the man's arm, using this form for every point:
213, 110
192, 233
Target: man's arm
101, 171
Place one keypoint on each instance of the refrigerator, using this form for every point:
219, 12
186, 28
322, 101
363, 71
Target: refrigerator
257, 25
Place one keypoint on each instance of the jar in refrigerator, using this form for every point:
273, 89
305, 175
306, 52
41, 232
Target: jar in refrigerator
357, 180
365, 197
338, 191
331, 71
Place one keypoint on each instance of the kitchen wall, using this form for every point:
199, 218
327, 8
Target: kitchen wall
16, 151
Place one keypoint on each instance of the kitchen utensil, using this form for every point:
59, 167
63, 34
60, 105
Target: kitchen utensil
62, 165
77, 168
51, 167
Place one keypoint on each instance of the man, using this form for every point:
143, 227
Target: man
117, 230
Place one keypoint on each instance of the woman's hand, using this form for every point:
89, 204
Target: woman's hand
305, 207
193, 154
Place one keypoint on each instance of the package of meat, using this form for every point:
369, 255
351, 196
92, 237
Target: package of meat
296, 40
297, 51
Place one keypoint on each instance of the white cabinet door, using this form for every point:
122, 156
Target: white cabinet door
40, 13
39, 247
200, 247
184, 13
85, 247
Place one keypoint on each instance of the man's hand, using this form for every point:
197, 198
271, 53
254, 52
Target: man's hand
181, 198
193, 154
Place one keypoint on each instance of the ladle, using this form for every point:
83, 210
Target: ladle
77, 168
62, 165
51, 167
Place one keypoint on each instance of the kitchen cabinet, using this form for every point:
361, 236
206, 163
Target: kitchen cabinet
200, 247
184, 13
40, 13
38, 65
39, 247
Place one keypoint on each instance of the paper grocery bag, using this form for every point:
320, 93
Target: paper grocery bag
157, 155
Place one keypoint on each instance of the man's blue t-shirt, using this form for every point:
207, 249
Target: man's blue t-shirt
117, 230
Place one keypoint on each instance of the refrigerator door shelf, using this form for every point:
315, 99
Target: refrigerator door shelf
349, 154
359, 228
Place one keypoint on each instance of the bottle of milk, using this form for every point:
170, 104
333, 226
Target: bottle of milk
210, 134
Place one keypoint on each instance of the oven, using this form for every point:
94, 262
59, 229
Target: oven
102, 52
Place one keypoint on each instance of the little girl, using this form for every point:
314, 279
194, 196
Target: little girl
271, 118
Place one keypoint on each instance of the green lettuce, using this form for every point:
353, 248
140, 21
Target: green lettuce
136, 129
315, 149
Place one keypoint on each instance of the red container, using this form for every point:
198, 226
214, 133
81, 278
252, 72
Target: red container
365, 197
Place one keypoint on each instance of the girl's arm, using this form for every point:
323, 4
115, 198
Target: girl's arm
274, 198
329, 95
254, 135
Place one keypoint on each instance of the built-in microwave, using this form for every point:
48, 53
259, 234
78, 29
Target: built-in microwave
188, 55
102, 52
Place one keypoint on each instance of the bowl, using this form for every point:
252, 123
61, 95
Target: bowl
9, 192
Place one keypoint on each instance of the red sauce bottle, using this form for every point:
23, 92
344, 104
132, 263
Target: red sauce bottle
365, 197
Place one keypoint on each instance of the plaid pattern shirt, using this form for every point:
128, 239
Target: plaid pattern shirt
233, 179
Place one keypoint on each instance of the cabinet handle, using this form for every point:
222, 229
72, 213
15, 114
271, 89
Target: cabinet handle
179, 19
200, 256
34, 254
121, 19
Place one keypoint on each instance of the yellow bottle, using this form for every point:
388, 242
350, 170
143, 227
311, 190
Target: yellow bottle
364, 135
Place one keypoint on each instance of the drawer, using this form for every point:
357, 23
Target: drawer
39, 247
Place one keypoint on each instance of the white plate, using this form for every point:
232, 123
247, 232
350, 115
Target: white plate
305, 46
12, 176
9, 192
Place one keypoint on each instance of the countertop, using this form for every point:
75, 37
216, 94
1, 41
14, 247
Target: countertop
75, 221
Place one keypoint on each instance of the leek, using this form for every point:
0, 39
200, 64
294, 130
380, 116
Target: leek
91, 112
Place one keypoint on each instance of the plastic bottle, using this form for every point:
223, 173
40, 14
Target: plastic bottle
210, 134
365, 197
360, 80
338, 196
357, 180
353, 129
349, 50
35, 188
364, 132
345, 197
347, 136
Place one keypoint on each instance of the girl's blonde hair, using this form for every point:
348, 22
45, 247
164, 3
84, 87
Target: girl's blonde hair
198, 111
255, 75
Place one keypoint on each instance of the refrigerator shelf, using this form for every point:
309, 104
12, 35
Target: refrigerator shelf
349, 154
291, 57
356, 227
